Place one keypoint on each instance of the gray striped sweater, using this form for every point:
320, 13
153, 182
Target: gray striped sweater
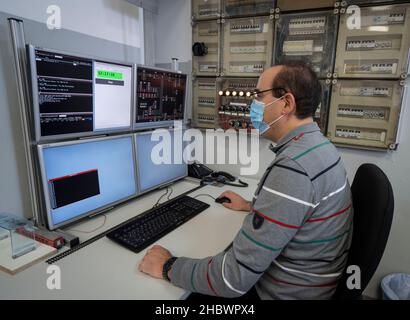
294, 243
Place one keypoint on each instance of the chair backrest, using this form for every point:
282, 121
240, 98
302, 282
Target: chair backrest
373, 205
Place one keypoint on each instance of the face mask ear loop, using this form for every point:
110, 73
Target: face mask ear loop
269, 104
273, 122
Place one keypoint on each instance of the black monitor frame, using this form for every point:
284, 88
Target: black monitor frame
46, 192
165, 183
35, 97
159, 124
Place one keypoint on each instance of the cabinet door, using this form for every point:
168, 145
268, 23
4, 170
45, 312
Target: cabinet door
248, 46
206, 9
310, 37
365, 113
207, 32
238, 8
204, 102
377, 45
234, 109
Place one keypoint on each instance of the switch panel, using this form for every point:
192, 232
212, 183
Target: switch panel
204, 102
248, 46
365, 113
206, 9
207, 32
237, 8
234, 110
380, 48
310, 37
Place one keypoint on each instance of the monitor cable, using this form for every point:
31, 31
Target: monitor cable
93, 230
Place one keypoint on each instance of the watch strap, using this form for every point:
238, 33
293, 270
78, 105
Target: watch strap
167, 266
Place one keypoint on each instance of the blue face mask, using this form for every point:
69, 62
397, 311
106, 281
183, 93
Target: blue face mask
257, 112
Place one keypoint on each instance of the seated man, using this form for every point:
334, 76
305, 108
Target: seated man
294, 241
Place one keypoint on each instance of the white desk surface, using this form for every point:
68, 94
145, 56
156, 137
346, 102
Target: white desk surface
105, 270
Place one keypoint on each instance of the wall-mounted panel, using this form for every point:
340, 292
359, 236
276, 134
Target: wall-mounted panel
310, 37
234, 110
248, 46
206, 9
208, 62
380, 48
204, 102
365, 113
236, 8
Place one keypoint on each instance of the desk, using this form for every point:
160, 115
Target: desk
105, 270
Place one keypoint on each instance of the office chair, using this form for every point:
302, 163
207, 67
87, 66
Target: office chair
373, 204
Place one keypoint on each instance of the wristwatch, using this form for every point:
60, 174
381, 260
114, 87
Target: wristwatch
167, 266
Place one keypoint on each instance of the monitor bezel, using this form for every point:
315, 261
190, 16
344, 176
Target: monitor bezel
97, 211
159, 124
166, 183
35, 100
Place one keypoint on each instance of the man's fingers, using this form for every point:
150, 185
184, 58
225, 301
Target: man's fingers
227, 205
225, 194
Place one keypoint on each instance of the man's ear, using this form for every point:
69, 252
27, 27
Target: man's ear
290, 101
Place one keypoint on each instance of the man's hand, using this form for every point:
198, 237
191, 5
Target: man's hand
237, 202
154, 261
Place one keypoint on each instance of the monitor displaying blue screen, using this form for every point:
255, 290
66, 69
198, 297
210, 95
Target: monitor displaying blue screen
153, 174
80, 178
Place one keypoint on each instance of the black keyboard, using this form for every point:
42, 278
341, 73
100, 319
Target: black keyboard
144, 230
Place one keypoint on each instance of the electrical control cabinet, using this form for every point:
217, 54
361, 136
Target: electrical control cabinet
204, 102
322, 112
310, 37
365, 113
208, 33
293, 5
380, 48
361, 67
206, 9
234, 109
248, 46
235, 8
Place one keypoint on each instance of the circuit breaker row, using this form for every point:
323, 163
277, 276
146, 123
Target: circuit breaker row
376, 47
363, 113
353, 111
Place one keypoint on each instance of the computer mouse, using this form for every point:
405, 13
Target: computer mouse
223, 200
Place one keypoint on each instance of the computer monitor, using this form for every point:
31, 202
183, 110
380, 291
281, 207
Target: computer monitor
159, 162
85, 177
161, 97
76, 96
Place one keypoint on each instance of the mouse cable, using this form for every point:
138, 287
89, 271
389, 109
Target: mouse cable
204, 195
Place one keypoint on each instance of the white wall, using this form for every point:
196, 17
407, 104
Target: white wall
173, 25
110, 29
395, 164
114, 20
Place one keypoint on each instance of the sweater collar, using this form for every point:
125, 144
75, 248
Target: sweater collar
294, 135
